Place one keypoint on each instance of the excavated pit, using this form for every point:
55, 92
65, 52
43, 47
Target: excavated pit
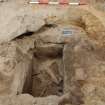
46, 71
45, 75
42, 62
46, 78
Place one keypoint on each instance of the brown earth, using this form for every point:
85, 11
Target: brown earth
40, 64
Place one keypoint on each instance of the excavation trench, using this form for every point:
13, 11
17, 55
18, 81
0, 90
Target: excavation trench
48, 62
50, 70
46, 76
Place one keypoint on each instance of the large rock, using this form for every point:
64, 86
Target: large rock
16, 21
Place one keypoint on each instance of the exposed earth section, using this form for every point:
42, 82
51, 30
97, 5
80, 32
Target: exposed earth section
52, 55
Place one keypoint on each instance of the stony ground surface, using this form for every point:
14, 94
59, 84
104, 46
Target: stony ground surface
41, 65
